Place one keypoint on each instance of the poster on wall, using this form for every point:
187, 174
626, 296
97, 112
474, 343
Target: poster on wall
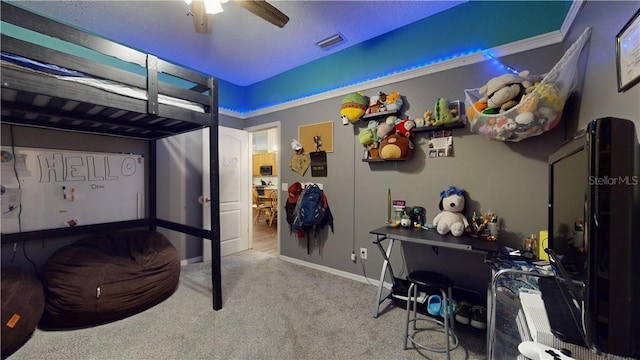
300, 163
318, 163
628, 54
440, 144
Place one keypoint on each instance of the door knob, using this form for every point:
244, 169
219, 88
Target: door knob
203, 199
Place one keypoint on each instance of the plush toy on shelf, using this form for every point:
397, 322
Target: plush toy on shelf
443, 114
353, 107
369, 135
395, 147
393, 101
405, 127
386, 128
451, 217
377, 103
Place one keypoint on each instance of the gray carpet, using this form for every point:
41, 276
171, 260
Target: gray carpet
272, 310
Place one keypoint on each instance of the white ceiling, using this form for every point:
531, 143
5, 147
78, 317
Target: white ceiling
243, 48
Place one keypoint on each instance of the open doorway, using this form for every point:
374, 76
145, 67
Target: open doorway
265, 184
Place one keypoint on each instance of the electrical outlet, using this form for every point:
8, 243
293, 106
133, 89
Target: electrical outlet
363, 253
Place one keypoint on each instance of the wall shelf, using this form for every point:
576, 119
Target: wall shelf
379, 114
459, 124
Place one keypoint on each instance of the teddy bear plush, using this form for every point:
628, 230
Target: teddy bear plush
451, 217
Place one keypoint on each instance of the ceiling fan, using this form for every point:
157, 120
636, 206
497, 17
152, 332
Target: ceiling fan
203, 11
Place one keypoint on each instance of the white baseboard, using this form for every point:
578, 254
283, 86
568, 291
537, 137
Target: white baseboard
333, 271
326, 269
191, 260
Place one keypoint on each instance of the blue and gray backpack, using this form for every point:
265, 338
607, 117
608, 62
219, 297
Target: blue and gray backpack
311, 213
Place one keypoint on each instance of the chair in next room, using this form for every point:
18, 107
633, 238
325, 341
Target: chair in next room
261, 208
429, 281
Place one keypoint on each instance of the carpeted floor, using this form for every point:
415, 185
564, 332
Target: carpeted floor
272, 309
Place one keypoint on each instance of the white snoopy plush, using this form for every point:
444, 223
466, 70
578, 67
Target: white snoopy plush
450, 218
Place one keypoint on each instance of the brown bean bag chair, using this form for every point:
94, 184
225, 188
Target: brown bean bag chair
22, 307
107, 277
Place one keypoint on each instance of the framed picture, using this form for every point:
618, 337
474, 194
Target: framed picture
628, 53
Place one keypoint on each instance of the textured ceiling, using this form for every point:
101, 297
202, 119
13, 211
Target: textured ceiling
243, 48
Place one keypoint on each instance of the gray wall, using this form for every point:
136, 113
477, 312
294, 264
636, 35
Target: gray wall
599, 96
508, 178
231, 122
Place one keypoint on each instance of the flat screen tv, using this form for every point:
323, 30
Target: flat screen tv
594, 227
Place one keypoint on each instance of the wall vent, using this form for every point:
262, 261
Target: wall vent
330, 41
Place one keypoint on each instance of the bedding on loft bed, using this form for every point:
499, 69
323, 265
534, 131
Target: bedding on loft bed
36, 67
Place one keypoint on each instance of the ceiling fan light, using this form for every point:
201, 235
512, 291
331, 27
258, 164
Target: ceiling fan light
212, 7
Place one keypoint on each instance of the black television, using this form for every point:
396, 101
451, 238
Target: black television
594, 186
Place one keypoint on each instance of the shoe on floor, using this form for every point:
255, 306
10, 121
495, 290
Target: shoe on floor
463, 314
452, 305
434, 304
479, 317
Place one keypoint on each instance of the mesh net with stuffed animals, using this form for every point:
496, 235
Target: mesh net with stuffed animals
538, 111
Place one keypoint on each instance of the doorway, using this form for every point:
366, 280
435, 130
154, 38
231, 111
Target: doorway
266, 215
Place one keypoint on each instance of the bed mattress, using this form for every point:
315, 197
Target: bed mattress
36, 67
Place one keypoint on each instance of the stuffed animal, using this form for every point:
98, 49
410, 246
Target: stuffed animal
393, 102
395, 147
384, 130
405, 127
369, 135
443, 114
353, 107
505, 128
472, 111
505, 91
377, 103
451, 217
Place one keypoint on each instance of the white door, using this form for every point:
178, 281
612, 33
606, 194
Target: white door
233, 147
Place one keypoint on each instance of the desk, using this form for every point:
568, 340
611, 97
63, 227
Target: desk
421, 236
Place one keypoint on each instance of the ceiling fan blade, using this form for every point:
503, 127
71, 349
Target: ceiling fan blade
266, 11
202, 21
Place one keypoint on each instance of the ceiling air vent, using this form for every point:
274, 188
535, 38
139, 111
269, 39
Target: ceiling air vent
330, 41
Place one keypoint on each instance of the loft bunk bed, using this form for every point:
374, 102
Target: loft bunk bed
47, 88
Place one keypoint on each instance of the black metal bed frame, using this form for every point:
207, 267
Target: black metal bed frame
119, 115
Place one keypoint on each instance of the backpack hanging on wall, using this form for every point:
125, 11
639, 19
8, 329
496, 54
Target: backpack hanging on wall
311, 213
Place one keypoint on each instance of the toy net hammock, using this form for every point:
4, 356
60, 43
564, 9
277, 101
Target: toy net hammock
538, 111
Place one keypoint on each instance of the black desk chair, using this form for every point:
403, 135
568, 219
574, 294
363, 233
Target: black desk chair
429, 281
